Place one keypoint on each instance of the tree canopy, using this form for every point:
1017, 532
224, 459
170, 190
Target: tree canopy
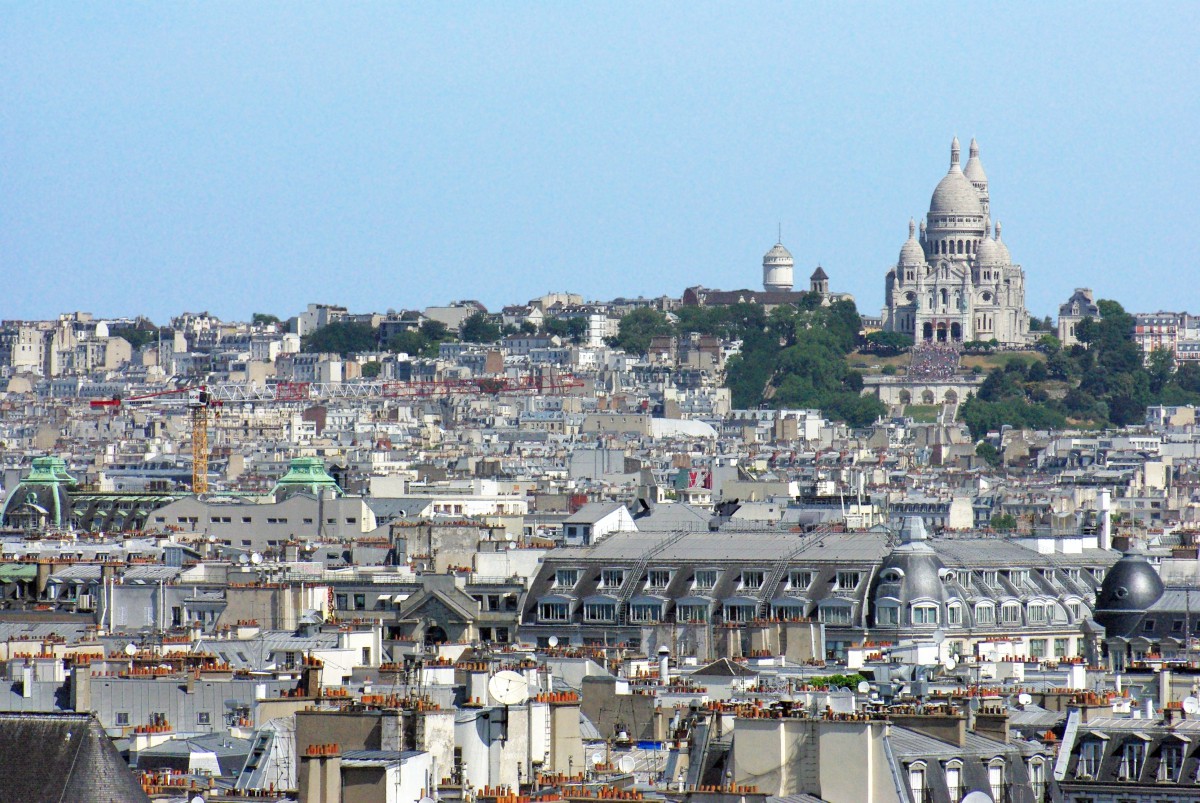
342, 337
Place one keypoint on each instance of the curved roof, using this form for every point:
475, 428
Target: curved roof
912, 253
1007, 257
974, 167
955, 194
777, 254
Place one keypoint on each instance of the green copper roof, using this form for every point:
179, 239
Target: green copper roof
305, 475
49, 470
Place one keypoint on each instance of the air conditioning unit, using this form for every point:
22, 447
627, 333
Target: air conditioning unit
84, 602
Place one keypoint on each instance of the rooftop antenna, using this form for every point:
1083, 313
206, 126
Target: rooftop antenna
779, 239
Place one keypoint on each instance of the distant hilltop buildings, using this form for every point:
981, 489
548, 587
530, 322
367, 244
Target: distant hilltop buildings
955, 281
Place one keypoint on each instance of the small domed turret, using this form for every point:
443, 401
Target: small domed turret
1004, 255
777, 269
911, 253
988, 252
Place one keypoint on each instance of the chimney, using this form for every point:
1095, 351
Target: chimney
664, 665
1105, 504
993, 723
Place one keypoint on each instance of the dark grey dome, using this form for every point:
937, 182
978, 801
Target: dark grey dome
911, 571
1132, 584
1129, 589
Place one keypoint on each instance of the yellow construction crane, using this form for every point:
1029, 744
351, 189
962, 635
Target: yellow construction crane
199, 400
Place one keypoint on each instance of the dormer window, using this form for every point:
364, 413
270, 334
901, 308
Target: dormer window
847, 581
658, 578
706, 579
566, 578
612, 578
753, 579
800, 580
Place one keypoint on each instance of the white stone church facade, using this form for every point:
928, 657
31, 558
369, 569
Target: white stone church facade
955, 281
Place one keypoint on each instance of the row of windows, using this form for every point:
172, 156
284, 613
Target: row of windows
706, 579
247, 520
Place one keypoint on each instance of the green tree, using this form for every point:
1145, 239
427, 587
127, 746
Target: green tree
889, 343
638, 328
371, 369
1004, 522
989, 453
263, 319
479, 328
342, 337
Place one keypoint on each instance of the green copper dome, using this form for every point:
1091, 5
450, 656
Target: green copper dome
42, 497
305, 475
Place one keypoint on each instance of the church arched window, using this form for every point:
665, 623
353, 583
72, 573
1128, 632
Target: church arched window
960, 246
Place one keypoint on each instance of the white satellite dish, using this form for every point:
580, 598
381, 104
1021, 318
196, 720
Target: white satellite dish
939, 636
255, 558
977, 797
427, 799
597, 758
130, 649
552, 641
626, 764
196, 799
1024, 698
950, 662
243, 559
508, 688
864, 687
1191, 705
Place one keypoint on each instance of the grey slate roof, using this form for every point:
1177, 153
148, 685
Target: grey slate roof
62, 757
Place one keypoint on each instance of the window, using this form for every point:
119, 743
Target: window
991, 577
366, 656
1172, 762
1037, 780
645, 612
847, 581
1074, 609
692, 613
599, 611
924, 614
566, 578
954, 614
1089, 759
916, 781
835, 614
553, 612
360, 602
985, 614
339, 601
800, 580
739, 613
1010, 614
308, 521
753, 579
612, 578
887, 615
1037, 648
246, 519
1133, 755
1037, 613
1018, 576
954, 780
658, 578
122, 717
706, 578
1060, 647
349, 519
203, 718
996, 779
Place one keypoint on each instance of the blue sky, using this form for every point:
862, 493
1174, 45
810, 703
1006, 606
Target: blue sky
241, 157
